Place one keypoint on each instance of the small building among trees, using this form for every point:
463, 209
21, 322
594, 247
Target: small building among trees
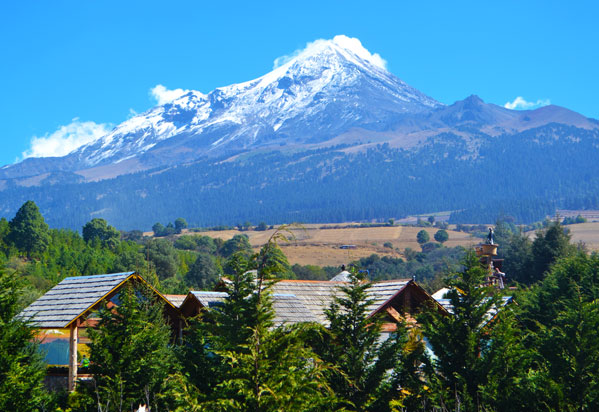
64, 313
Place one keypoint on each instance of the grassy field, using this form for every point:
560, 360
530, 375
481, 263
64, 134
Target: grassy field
587, 233
316, 246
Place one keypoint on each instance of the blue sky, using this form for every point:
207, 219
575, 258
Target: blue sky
79, 67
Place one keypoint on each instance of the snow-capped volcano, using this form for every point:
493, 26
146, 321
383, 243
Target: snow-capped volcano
321, 92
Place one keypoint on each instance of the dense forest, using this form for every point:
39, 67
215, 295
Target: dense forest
477, 180
539, 353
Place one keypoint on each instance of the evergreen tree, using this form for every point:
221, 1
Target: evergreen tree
369, 371
550, 244
260, 367
29, 231
457, 369
277, 259
131, 356
561, 317
203, 274
22, 368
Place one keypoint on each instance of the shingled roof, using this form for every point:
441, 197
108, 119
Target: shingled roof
317, 295
288, 308
72, 298
381, 292
176, 300
210, 299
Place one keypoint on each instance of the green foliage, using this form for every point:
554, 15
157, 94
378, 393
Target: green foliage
441, 236
22, 368
99, 230
238, 243
427, 266
203, 274
561, 317
132, 359
251, 365
163, 257
180, 224
573, 220
549, 245
276, 259
422, 237
309, 272
29, 231
456, 340
368, 371
261, 227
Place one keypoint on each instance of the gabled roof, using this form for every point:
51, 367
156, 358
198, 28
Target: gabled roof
288, 308
209, 299
382, 292
315, 295
75, 297
176, 300
343, 276
307, 300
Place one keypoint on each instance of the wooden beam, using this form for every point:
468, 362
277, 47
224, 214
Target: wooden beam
394, 314
73, 357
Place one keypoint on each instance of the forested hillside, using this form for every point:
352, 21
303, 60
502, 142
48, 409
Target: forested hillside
334, 185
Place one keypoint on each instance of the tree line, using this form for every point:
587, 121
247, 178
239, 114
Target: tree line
539, 353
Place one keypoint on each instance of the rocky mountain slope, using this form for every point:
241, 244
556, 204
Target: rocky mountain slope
301, 129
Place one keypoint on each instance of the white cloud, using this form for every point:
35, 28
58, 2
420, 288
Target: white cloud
520, 104
162, 95
350, 43
66, 139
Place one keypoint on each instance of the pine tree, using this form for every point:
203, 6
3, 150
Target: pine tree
203, 274
29, 231
22, 368
370, 372
457, 369
561, 317
132, 359
259, 367
549, 245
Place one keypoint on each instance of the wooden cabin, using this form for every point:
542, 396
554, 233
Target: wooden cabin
64, 313
297, 301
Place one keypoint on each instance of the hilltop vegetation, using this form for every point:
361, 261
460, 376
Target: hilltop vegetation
234, 359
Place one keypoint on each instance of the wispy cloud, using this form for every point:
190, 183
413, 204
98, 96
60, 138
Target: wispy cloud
66, 139
520, 104
162, 95
349, 43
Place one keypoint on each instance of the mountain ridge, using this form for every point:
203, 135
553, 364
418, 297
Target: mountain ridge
299, 138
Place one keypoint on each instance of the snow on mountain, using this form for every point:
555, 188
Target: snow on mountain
327, 88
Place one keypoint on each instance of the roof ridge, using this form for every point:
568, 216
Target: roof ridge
99, 276
307, 281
